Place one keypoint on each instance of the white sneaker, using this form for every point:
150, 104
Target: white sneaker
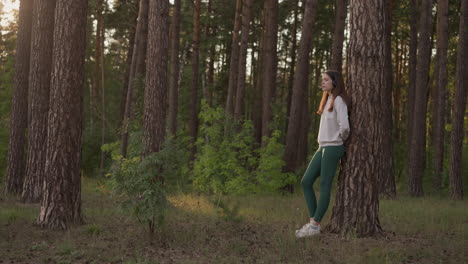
308, 230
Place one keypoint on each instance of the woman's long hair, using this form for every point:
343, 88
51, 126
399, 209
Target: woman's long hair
339, 88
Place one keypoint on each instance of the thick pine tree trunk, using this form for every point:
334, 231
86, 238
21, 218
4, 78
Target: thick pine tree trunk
270, 63
357, 201
234, 61
156, 77
137, 69
417, 145
459, 106
258, 98
246, 18
174, 69
39, 87
61, 201
387, 186
193, 121
338, 36
299, 87
19, 104
440, 91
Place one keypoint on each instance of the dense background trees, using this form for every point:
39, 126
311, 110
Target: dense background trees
234, 85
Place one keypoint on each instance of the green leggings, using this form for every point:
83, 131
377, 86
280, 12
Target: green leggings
323, 163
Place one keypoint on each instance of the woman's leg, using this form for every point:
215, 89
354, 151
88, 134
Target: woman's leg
330, 157
311, 174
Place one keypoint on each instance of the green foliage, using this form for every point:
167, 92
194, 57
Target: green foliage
269, 171
143, 182
227, 163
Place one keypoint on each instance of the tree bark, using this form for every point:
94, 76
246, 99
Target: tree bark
156, 77
417, 145
39, 87
413, 49
459, 106
386, 177
440, 91
357, 202
270, 63
240, 90
300, 87
338, 36
61, 202
123, 94
174, 70
19, 104
193, 121
234, 61
293, 62
137, 69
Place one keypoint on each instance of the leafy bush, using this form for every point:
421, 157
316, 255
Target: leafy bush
143, 182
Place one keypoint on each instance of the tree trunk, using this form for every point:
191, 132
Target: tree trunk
413, 49
123, 94
440, 91
386, 177
293, 62
258, 98
39, 87
459, 106
156, 76
300, 87
240, 90
417, 144
357, 201
61, 202
174, 70
234, 61
19, 104
338, 36
270, 63
137, 69
103, 99
193, 121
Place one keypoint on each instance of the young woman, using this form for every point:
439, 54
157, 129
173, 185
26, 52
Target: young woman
333, 131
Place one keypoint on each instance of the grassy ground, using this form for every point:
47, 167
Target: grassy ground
419, 230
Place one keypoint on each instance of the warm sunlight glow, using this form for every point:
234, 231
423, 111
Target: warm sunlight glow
6, 11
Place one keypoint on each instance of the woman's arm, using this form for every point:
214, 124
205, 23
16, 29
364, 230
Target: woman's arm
342, 117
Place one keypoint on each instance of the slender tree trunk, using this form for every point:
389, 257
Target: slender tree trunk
293, 62
357, 201
413, 49
61, 202
103, 98
131, 45
270, 63
212, 55
440, 91
417, 144
386, 177
137, 69
240, 90
234, 61
174, 70
300, 87
459, 106
39, 87
338, 36
156, 76
193, 121
19, 105
258, 98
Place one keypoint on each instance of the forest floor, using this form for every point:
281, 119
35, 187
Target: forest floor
418, 230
